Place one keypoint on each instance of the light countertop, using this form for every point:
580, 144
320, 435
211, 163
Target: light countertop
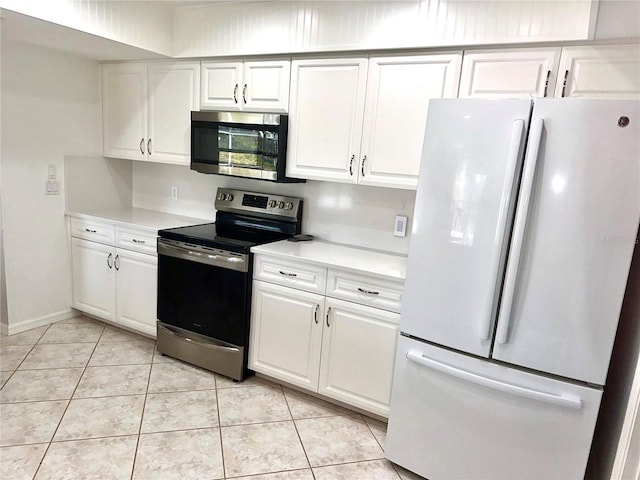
139, 217
336, 255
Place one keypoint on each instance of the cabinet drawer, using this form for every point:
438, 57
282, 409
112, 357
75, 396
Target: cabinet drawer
143, 241
303, 276
365, 290
92, 230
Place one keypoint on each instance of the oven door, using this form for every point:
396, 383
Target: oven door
228, 143
204, 290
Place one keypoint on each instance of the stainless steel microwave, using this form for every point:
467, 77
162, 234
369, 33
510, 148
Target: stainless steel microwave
239, 144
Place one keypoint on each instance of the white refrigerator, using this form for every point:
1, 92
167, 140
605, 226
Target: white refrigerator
525, 224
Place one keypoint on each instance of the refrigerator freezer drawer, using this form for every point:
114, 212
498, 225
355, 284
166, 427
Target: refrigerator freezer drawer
459, 417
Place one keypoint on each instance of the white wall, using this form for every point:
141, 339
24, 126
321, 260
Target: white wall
351, 214
50, 107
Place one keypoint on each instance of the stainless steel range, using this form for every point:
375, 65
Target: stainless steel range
204, 278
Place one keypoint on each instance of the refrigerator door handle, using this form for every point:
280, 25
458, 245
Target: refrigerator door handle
514, 150
519, 225
567, 401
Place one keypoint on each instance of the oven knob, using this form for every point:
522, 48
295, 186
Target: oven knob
288, 206
221, 196
230, 197
280, 204
272, 203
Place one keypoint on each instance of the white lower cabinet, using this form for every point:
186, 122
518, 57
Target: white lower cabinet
136, 290
286, 333
341, 349
115, 284
93, 280
358, 352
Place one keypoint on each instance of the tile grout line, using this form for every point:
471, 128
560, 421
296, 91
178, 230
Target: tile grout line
224, 466
68, 403
26, 355
295, 426
144, 405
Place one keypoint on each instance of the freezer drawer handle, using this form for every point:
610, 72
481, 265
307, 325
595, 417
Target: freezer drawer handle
560, 400
519, 226
512, 162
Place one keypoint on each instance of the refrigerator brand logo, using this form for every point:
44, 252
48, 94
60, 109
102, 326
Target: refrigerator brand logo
621, 240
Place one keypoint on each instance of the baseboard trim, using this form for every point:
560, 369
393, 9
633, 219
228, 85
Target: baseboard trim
17, 327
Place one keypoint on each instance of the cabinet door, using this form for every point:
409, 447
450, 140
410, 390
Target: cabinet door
358, 352
518, 73
600, 72
221, 86
136, 282
398, 94
265, 86
124, 110
325, 121
174, 90
92, 278
286, 333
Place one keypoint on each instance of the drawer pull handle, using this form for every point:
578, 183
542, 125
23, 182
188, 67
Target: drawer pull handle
315, 313
287, 274
137, 241
327, 317
109, 261
116, 262
90, 231
368, 292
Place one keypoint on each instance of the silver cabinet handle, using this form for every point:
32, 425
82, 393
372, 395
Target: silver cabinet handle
364, 159
109, 262
368, 292
287, 274
353, 157
235, 93
142, 146
327, 316
244, 93
149, 146
546, 83
90, 231
137, 241
116, 263
564, 83
315, 313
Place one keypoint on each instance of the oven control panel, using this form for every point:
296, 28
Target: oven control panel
251, 202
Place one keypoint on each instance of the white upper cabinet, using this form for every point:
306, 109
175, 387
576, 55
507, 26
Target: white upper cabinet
395, 115
261, 86
600, 72
146, 110
124, 116
516, 73
362, 121
325, 124
174, 90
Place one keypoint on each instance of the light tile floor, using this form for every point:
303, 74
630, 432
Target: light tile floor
84, 400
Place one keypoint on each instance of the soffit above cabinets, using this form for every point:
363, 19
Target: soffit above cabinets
210, 28
25, 29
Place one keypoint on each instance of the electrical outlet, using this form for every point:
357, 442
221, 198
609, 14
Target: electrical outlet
174, 193
400, 226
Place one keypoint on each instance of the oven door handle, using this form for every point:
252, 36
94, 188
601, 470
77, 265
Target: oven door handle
212, 344
237, 262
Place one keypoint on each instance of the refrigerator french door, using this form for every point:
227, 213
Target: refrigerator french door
502, 358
